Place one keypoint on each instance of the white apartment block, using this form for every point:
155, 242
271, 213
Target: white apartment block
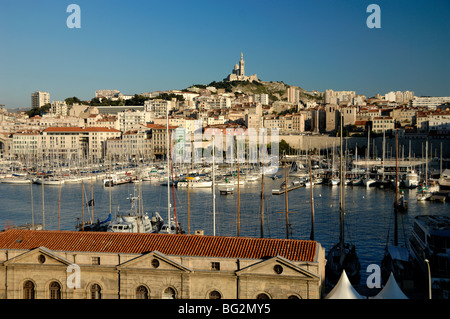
293, 94
26, 143
337, 97
158, 107
439, 122
130, 119
76, 141
59, 108
261, 98
39, 98
431, 103
399, 96
214, 102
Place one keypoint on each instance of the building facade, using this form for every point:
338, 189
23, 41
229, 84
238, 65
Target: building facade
36, 264
39, 98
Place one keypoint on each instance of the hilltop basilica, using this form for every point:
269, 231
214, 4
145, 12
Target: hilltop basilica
238, 73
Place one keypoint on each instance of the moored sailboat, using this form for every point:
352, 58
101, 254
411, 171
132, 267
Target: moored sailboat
342, 256
396, 259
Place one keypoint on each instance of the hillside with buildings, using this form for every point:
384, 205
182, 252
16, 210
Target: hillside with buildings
114, 124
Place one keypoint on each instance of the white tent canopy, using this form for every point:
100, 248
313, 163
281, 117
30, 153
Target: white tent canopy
343, 289
391, 290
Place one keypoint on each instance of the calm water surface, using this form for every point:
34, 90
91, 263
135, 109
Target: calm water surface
369, 214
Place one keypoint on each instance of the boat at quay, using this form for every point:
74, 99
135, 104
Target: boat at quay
368, 210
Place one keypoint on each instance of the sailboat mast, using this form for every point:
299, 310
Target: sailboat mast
238, 201
312, 198
213, 187
262, 201
286, 199
396, 190
341, 201
188, 203
168, 167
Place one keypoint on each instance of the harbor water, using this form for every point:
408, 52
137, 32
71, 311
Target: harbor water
368, 211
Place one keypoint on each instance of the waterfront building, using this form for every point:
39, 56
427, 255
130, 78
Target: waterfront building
67, 141
158, 135
298, 121
50, 264
383, 124
39, 98
26, 143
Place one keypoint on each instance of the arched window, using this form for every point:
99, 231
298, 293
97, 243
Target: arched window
141, 292
169, 293
293, 297
96, 292
215, 295
262, 296
55, 290
28, 290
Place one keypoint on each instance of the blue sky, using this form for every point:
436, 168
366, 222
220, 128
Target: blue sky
141, 46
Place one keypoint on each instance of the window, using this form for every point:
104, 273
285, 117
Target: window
155, 263
262, 296
215, 265
142, 292
28, 290
96, 260
215, 295
55, 290
278, 269
169, 293
96, 292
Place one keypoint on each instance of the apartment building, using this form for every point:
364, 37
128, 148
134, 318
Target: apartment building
132, 119
298, 122
67, 141
26, 143
261, 98
158, 107
430, 103
158, 135
382, 124
39, 98
59, 108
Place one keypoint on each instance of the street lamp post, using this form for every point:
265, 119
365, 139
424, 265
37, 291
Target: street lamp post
429, 278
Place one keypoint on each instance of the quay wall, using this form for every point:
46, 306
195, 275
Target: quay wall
417, 145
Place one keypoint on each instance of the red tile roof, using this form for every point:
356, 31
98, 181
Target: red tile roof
180, 245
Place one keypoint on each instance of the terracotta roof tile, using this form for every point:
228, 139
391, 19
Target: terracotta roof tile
181, 245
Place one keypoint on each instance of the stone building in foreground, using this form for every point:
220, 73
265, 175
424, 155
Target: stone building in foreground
44, 264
